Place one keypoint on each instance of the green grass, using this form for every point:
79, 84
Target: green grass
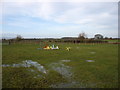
99, 74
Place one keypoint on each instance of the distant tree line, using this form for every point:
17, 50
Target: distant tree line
82, 38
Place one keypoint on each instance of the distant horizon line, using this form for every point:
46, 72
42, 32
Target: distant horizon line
12, 35
47, 37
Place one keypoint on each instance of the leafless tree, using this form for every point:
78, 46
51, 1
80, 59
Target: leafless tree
18, 38
82, 35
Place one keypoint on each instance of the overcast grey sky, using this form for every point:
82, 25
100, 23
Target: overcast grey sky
59, 19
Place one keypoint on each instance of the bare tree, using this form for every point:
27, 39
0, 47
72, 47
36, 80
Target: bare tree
82, 35
18, 38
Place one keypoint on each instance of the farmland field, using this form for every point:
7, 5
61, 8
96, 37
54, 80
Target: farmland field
84, 66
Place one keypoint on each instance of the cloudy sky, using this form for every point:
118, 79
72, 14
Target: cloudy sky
59, 19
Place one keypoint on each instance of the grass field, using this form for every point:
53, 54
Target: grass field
84, 66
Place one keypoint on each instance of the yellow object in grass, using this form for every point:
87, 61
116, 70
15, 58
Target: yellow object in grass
47, 47
68, 48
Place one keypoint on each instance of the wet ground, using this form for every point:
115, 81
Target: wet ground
90, 61
59, 67
27, 63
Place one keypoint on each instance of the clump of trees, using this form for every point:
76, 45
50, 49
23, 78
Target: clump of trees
18, 38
